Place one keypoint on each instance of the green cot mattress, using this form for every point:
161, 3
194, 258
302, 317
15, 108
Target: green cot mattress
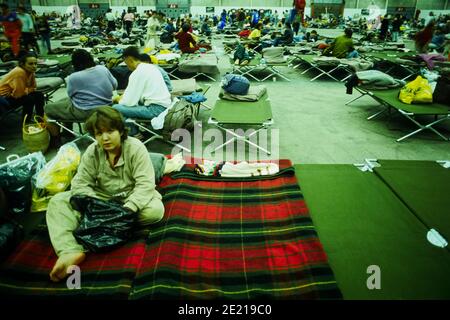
362, 223
423, 187
391, 98
246, 113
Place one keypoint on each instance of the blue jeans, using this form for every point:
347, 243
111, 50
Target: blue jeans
139, 112
353, 54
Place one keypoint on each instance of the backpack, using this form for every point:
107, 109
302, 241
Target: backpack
235, 84
181, 115
441, 93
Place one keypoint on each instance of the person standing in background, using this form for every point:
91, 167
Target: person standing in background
28, 40
299, 6
12, 28
396, 25
111, 19
43, 28
128, 20
424, 37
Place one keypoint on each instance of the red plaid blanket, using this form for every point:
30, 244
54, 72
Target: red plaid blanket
239, 240
232, 239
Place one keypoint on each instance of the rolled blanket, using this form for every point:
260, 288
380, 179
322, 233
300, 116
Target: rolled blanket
254, 94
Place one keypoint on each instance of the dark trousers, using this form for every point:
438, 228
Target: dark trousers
46, 41
128, 26
111, 26
33, 101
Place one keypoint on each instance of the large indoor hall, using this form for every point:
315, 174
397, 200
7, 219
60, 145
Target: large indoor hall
217, 149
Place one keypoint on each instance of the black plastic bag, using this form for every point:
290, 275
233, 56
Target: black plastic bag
441, 93
15, 179
104, 225
11, 233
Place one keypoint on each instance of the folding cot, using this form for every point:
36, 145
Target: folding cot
389, 100
395, 60
422, 187
170, 68
366, 224
180, 87
144, 125
49, 85
243, 114
331, 64
255, 67
199, 64
229, 45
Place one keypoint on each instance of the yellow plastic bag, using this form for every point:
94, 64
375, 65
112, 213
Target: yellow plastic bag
39, 200
418, 91
55, 177
57, 174
424, 93
154, 59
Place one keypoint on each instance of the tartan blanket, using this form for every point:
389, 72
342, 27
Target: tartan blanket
218, 240
105, 275
234, 240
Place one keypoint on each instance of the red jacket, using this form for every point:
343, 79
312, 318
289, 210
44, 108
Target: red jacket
299, 4
184, 41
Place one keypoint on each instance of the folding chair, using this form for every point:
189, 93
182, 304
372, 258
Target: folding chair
389, 100
236, 113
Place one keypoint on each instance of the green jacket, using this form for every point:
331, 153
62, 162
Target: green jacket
340, 47
132, 181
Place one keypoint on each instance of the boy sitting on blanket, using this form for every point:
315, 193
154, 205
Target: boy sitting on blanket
114, 167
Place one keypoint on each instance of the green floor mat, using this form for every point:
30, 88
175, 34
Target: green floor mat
423, 187
362, 223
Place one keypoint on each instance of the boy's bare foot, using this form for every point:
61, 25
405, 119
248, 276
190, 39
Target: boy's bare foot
59, 270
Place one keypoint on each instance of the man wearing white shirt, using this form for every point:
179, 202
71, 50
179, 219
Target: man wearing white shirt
146, 95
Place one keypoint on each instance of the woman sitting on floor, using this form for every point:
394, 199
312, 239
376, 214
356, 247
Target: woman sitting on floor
18, 87
114, 167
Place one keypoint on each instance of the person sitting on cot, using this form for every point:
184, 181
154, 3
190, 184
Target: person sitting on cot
18, 87
186, 42
114, 167
146, 95
82, 97
241, 55
341, 46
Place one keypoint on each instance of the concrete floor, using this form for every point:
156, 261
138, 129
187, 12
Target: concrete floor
314, 124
